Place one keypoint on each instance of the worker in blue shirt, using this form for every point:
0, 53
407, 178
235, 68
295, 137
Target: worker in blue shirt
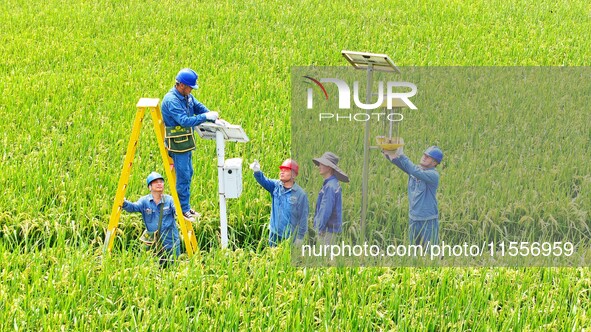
328, 217
423, 180
181, 112
289, 209
150, 207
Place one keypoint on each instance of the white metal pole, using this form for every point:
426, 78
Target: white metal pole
366, 153
220, 148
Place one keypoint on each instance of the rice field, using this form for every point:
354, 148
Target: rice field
71, 73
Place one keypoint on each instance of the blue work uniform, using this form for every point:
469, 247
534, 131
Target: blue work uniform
422, 204
289, 210
169, 233
329, 207
187, 112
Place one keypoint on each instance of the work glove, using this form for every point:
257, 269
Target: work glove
212, 115
391, 155
255, 166
222, 123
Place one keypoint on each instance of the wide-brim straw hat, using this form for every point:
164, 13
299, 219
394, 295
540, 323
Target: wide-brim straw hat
331, 160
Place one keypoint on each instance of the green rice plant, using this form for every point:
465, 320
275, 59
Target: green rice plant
71, 73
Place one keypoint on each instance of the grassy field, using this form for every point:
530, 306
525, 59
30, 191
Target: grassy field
71, 73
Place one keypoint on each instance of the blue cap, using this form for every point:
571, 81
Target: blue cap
435, 153
153, 176
188, 77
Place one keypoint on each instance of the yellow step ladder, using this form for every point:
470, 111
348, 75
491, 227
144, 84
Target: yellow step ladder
186, 227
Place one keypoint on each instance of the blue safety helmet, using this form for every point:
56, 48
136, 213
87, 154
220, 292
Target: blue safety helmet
188, 77
153, 176
435, 153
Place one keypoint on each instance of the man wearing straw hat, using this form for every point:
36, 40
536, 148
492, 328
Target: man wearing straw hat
328, 218
423, 181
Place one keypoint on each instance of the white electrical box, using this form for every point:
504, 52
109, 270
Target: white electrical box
233, 177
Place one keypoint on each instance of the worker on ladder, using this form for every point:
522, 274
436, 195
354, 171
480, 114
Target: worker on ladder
181, 112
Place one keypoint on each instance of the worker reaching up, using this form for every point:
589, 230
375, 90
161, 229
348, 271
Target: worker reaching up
423, 181
289, 209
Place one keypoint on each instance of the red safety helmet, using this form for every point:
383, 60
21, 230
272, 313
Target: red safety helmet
290, 164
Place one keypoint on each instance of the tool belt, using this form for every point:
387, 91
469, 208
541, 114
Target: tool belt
179, 139
149, 238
